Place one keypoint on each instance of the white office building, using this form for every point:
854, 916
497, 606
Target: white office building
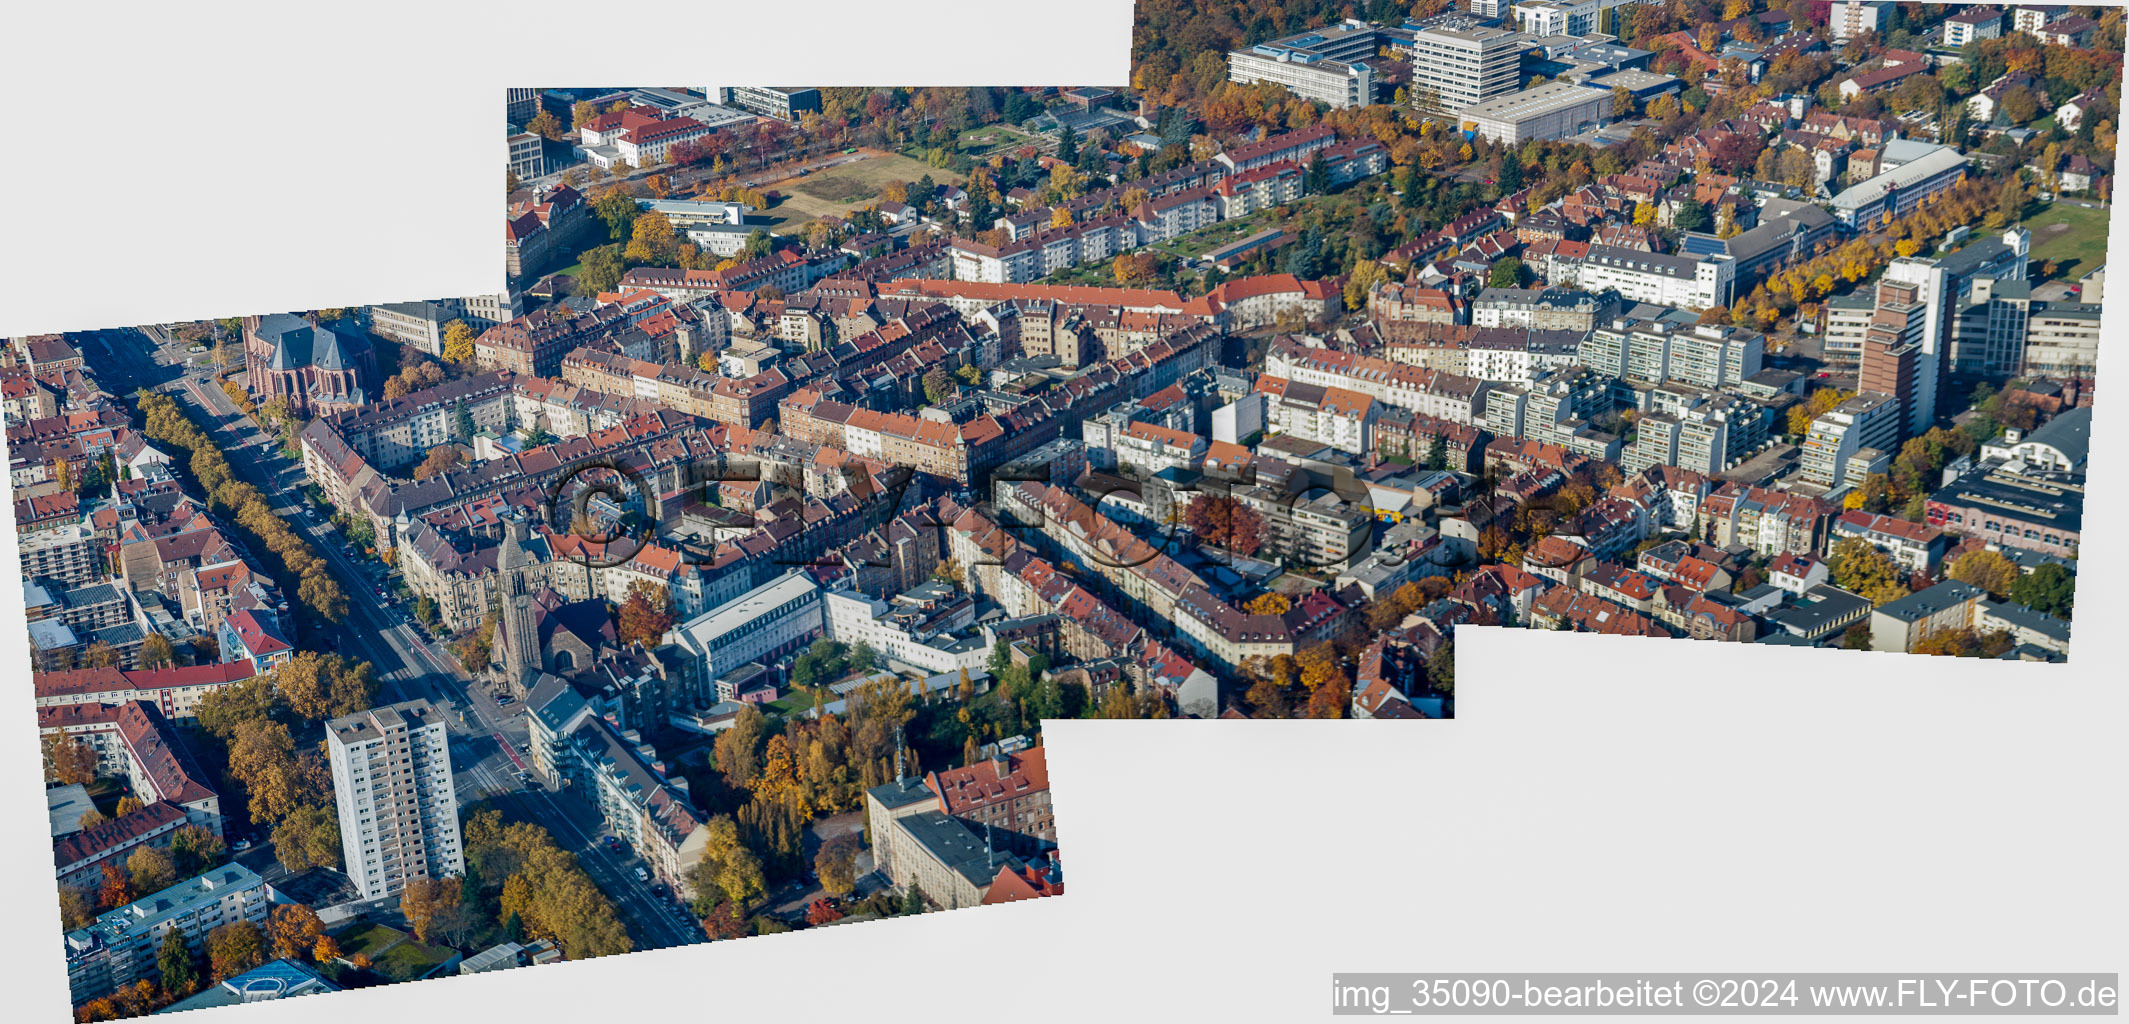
1456, 68
527, 159
1665, 279
1324, 65
772, 619
1554, 110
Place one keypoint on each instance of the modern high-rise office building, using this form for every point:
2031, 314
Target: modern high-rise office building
1941, 283
1456, 68
398, 807
520, 106
1892, 345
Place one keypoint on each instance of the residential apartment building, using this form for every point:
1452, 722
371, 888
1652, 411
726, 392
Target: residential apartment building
1706, 356
1915, 547
175, 692
1706, 436
1541, 309
1847, 19
1899, 626
1445, 396
1978, 22
2061, 341
120, 946
135, 741
639, 796
1869, 421
393, 789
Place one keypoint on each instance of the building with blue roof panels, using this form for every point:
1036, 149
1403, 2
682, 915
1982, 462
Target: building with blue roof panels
277, 980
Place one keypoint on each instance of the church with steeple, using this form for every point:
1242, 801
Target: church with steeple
538, 631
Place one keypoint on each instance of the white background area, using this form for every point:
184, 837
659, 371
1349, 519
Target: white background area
1600, 804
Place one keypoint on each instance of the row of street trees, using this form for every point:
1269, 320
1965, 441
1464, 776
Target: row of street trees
244, 505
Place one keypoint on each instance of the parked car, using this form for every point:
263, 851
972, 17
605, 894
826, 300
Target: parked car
241, 845
642, 875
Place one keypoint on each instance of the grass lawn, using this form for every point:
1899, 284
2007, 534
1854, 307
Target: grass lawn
794, 703
368, 940
982, 142
410, 960
105, 792
2073, 236
838, 190
393, 953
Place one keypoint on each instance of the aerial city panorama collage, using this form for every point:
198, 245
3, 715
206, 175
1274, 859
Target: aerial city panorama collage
716, 574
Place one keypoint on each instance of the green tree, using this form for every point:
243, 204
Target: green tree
2050, 589
1857, 637
1318, 179
617, 209
546, 126
181, 973
308, 836
1506, 273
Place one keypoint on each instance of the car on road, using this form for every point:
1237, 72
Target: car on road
642, 875
241, 845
